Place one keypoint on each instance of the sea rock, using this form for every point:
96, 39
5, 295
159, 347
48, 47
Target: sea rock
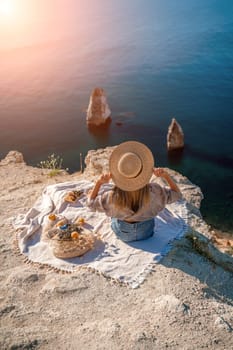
175, 136
12, 157
98, 112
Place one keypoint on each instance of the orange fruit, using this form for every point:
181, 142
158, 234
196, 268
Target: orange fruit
80, 221
52, 217
74, 234
70, 198
61, 223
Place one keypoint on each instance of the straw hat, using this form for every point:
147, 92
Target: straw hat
131, 165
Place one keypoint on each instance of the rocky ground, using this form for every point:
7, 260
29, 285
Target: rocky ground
185, 304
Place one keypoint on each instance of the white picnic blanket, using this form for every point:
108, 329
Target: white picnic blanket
126, 262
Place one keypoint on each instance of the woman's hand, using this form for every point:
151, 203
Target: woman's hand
104, 178
160, 172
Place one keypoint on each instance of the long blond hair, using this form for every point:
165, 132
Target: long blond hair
130, 199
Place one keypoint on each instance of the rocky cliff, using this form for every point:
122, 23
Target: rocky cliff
186, 303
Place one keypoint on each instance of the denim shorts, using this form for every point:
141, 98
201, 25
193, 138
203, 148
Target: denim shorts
129, 232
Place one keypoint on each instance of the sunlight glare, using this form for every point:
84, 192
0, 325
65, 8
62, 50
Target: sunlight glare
6, 7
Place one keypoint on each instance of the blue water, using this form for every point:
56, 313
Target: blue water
156, 59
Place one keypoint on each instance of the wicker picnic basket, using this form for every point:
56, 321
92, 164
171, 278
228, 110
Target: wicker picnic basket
65, 246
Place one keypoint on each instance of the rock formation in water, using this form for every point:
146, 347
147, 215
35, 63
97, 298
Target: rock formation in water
175, 136
98, 112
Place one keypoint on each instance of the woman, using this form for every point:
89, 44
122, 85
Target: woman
133, 202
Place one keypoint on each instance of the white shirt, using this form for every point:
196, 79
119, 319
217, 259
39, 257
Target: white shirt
159, 197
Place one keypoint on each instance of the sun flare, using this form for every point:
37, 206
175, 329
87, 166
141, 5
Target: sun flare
6, 8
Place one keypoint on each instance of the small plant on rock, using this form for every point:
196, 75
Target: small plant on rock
54, 163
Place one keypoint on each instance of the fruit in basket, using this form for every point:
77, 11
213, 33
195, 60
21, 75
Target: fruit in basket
61, 223
74, 234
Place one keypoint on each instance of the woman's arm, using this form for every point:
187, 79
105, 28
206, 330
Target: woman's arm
102, 180
162, 173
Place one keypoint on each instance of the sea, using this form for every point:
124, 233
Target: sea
155, 59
